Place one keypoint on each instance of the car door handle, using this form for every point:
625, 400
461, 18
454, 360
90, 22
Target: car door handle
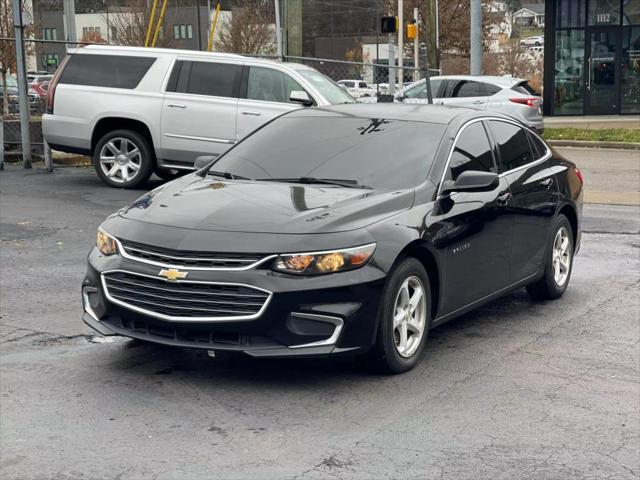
547, 183
176, 105
478, 102
249, 112
504, 198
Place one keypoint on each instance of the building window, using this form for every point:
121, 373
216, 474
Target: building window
569, 59
49, 34
604, 12
86, 30
182, 31
631, 12
630, 84
570, 13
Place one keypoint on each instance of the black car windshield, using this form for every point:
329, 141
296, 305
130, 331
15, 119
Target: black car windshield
378, 153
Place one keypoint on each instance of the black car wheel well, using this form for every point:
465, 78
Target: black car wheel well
569, 212
108, 124
430, 265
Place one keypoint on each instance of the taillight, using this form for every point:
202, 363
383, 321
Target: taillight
579, 175
528, 101
51, 91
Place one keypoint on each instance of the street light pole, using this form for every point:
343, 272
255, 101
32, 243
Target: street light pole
23, 97
476, 37
400, 41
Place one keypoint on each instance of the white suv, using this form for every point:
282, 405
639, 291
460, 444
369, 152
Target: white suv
140, 110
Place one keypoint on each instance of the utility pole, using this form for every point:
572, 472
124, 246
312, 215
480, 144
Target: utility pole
23, 98
416, 46
392, 69
476, 37
69, 7
278, 30
400, 41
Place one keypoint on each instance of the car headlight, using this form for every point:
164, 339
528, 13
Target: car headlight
315, 263
106, 243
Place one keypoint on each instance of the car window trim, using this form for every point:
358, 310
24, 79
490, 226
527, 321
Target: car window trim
546, 156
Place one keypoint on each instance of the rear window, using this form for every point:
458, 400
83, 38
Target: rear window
206, 78
525, 89
116, 71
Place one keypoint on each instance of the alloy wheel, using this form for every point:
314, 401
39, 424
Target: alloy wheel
120, 159
561, 256
409, 316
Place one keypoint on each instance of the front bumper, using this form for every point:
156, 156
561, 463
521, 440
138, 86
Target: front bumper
304, 316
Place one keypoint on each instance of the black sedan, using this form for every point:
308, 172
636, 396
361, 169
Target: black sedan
351, 230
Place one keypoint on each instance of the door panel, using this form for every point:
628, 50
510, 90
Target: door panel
476, 231
199, 110
603, 47
535, 193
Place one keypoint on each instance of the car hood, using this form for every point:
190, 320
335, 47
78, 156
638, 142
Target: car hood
264, 207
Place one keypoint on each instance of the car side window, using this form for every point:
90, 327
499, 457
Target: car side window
420, 91
362, 85
465, 88
472, 151
512, 144
538, 147
205, 78
270, 85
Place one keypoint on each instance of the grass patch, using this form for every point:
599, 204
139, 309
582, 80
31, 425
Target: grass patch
604, 135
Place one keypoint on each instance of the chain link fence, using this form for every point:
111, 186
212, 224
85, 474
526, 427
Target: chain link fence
375, 75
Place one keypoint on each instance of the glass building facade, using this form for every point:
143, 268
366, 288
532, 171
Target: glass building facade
592, 57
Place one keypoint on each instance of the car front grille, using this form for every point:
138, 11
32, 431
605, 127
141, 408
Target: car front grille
184, 300
189, 258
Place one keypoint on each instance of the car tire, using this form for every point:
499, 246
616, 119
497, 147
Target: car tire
394, 351
168, 174
123, 159
558, 263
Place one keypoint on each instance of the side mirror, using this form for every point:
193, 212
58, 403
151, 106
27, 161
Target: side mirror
300, 96
472, 181
203, 161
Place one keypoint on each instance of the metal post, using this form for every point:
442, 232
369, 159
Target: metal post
392, 70
400, 42
199, 25
70, 16
416, 44
437, 65
1, 143
23, 97
48, 158
476, 37
278, 29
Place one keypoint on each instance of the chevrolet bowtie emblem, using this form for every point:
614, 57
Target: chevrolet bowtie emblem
172, 274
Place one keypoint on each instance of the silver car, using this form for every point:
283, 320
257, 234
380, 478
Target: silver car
140, 110
508, 95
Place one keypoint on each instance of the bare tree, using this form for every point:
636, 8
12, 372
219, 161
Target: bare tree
129, 25
250, 30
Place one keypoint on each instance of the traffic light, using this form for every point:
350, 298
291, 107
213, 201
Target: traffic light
388, 24
412, 30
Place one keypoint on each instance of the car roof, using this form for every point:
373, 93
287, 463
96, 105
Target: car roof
393, 111
506, 81
190, 53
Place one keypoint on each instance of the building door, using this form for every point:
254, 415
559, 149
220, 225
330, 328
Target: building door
602, 82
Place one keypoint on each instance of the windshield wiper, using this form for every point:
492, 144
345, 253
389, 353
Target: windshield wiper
227, 175
325, 181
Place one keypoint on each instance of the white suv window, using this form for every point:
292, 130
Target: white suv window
363, 85
270, 85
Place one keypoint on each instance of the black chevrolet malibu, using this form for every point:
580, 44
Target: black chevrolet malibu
351, 229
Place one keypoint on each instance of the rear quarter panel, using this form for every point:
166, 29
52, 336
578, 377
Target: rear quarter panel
78, 108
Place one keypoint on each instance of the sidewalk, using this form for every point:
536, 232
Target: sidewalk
593, 122
611, 176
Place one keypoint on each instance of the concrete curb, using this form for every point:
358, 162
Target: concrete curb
594, 144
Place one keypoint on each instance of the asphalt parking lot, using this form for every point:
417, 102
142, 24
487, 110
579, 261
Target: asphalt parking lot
514, 390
